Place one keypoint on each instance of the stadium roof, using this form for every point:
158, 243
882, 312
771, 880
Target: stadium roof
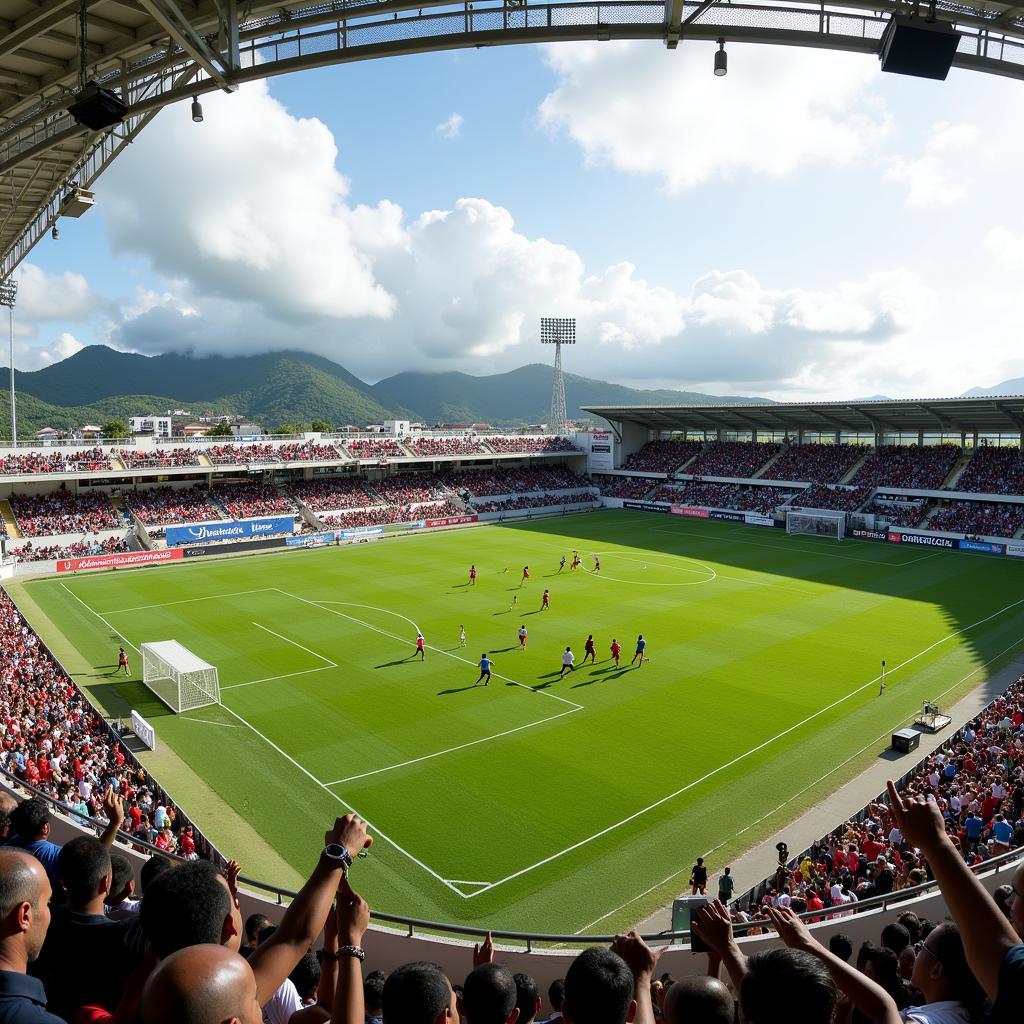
996, 415
156, 52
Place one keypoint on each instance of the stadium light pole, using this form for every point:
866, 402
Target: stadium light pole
558, 331
8, 296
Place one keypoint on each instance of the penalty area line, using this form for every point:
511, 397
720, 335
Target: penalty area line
267, 629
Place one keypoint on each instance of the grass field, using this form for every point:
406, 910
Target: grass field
538, 802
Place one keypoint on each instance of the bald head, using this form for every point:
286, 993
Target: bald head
201, 985
699, 999
7, 804
24, 905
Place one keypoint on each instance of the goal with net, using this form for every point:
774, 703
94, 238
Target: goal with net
817, 524
179, 678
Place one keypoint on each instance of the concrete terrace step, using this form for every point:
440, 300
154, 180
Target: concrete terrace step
9, 521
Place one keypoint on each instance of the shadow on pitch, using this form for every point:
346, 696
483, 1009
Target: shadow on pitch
400, 661
456, 689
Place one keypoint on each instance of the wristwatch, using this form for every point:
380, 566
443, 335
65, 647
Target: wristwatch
338, 853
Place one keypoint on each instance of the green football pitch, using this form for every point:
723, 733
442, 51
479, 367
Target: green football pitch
537, 802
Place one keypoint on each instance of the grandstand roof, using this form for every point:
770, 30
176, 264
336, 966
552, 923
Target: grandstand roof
1001, 414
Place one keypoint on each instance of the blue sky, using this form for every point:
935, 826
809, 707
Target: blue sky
805, 227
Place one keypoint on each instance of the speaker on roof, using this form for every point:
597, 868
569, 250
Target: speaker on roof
913, 46
97, 108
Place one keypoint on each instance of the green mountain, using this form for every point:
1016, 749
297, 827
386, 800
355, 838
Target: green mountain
99, 383
519, 395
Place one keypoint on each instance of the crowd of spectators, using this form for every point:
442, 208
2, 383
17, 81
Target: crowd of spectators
662, 456
60, 512
251, 500
817, 463
634, 487
307, 451
917, 466
534, 501
511, 445
164, 506
156, 458
241, 454
976, 517
412, 488
733, 458
696, 492
491, 482
29, 552
764, 500
899, 513
832, 497
445, 446
326, 494
375, 448
69, 461
993, 469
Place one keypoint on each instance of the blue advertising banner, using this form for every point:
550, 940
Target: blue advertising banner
206, 532
311, 540
981, 545
361, 531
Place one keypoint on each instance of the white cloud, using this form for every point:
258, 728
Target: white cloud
1007, 247
940, 175
43, 296
35, 357
661, 112
451, 127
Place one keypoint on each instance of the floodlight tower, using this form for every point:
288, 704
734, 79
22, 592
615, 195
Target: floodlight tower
8, 295
558, 331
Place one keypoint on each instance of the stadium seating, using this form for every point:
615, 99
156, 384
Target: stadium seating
733, 458
834, 498
975, 517
533, 501
325, 494
383, 515
510, 445
899, 513
251, 500
923, 467
993, 470
375, 448
816, 463
764, 500
62, 512
633, 487
42, 552
241, 454
70, 460
445, 446
158, 457
411, 488
487, 482
695, 492
662, 456
164, 506
307, 451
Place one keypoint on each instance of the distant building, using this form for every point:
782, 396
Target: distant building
195, 429
396, 428
244, 429
89, 432
49, 434
481, 427
158, 426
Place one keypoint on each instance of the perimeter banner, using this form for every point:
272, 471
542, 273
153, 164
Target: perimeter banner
358, 532
1015, 550
233, 530
451, 521
645, 506
117, 561
981, 545
755, 519
917, 538
729, 517
688, 510
869, 534
311, 540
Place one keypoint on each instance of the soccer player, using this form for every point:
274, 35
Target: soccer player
526, 575
419, 646
122, 661
567, 662
616, 650
641, 646
699, 878
522, 637
515, 601
545, 601
597, 563
561, 563
472, 575
576, 561
462, 636
588, 650
485, 669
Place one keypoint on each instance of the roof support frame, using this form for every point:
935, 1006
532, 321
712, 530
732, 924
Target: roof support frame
167, 14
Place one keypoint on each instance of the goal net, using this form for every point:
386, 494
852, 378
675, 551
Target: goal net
818, 524
179, 678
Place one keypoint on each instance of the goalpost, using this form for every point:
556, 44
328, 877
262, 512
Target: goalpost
181, 680
818, 524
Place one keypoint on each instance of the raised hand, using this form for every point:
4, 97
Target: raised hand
483, 952
919, 820
638, 955
793, 932
714, 926
353, 915
234, 869
350, 832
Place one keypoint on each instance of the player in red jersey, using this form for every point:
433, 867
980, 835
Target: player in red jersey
472, 575
588, 650
545, 601
420, 646
122, 661
526, 575
616, 650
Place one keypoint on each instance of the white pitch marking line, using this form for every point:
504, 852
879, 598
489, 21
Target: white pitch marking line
394, 636
462, 881
286, 675
187, 600
742, 757
267, 629
451, 750
289, 758
203, 721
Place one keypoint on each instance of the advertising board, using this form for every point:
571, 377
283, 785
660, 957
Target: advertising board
200, 550
311, 540
645, 506
451, 521
361, 532
688, 510
926, 541
870, 534
233, 530
1015, 549
754, 519
118, 561
729, 517
983, 546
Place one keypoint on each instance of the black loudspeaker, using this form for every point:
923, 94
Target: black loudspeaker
913, 46
906, 740
98, 108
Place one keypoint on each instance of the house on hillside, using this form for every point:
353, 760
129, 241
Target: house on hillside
195, 429
90, 432
50, 434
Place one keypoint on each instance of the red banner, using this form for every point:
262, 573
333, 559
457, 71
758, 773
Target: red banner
895, 538
451, 521
686, 510
114, 561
